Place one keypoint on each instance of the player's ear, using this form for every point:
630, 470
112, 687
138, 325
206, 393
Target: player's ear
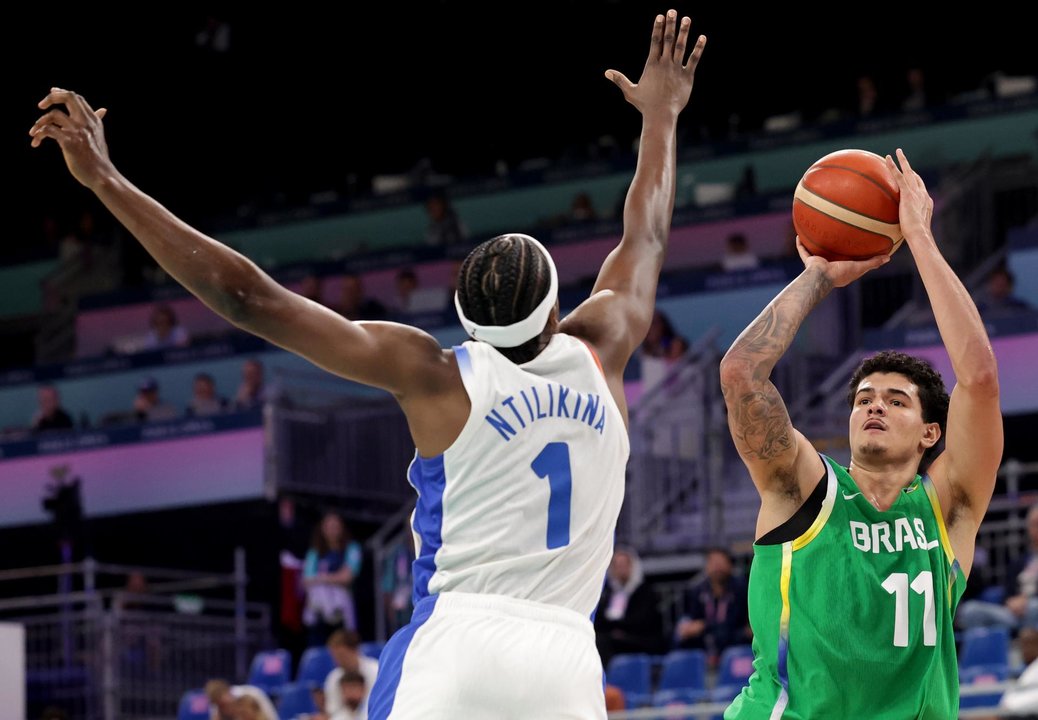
931, 434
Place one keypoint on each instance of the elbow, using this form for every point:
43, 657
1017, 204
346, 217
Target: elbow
735, 371
983, 379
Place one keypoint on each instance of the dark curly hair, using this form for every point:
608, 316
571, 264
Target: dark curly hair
933, 396
501, 282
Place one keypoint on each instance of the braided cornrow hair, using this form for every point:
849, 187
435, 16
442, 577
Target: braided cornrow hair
500, 283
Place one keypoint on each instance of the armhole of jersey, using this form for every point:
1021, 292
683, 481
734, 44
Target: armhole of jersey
942, 529
594, 355
810, 518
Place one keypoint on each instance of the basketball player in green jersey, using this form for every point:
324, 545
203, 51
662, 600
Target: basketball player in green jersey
857, 571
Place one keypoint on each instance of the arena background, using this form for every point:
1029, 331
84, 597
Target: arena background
307, 116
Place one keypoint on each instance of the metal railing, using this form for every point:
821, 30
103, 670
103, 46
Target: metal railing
326, 440
102, 652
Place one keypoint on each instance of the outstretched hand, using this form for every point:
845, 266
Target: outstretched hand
666, 80
916, 205
840, 272
79, 132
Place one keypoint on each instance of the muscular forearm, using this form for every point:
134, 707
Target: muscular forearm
223, 279
755, 352
957, 318
650, 200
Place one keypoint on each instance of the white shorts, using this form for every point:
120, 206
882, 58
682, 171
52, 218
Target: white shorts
487, 657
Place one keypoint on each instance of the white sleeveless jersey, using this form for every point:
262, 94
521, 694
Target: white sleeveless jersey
524, 503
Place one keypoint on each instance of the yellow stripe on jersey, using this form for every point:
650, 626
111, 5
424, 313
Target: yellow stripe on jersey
823, 514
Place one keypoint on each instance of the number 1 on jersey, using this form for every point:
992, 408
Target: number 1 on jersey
553, 463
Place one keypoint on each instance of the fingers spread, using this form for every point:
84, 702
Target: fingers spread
802, 251
619, 79
101, 112
77, 106
48, 131
895, 173
670, 33
655, 47
697, 52
54, 117
905, 165
682, 41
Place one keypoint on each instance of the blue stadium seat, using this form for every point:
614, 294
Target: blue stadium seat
194, 705
296, 700
372, 649
995, 594
978, 677
633, 675
733, 670
985, 648
683, 679
271, 670
314, 666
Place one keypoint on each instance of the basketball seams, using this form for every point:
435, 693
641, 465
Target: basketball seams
849, 209
884, 190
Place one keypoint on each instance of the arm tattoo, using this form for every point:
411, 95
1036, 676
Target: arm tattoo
758, 418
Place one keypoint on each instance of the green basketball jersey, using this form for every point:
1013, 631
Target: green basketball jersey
853, 619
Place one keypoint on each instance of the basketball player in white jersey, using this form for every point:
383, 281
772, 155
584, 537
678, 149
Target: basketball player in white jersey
520, 435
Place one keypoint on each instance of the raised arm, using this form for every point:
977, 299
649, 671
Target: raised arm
973, 444
390, 356
616, 317
781, 461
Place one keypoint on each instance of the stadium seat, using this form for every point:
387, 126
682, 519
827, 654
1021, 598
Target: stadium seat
270, 671
734, 669
314, 666
683, 678
985, 648
194, 705
296, 700
372, 649
995, 594
633, 675
978, 677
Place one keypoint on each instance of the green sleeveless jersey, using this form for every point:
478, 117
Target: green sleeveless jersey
853, 619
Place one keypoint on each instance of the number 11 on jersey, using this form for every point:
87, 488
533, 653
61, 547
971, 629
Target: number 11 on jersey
553, 463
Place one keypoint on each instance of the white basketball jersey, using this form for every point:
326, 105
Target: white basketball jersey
524, 503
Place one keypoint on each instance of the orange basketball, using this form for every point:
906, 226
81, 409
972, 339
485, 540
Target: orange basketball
846, 207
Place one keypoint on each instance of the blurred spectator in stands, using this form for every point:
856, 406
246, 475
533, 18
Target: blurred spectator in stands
737, 254
148, 406
614, 698
582, 209
716, 609
628, 618
747, 185
249, 708
445, 227
997, 298
312, 288
80, 242
354, 690
344, 645
1023, 696
293, 542
917, 98
406, 285
452, 282
868, 97
354, 306
223, 699
250, 393
331, 565
215, 36
204, 400
662, 341
50, 415
1020, 608
165, 331
397, 584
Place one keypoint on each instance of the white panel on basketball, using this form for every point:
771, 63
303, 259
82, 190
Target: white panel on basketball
837, 212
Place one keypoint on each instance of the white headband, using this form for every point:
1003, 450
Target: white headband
516, 334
